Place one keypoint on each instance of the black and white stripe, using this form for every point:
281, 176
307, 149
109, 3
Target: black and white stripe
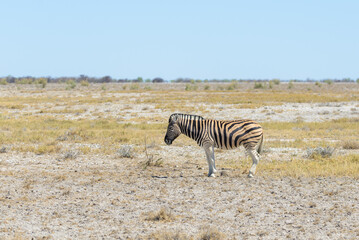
216, 133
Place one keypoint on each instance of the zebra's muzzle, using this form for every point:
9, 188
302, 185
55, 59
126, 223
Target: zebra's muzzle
168, 141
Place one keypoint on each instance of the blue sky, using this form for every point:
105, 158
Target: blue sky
171, 39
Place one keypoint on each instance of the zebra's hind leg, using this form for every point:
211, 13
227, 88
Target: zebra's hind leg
210, 159
255, 158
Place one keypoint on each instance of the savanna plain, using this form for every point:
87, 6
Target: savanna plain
88, 161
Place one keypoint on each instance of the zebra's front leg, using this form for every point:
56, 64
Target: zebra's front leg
214, 161
210, 159
255, 158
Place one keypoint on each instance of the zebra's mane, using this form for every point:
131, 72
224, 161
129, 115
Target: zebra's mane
194, 117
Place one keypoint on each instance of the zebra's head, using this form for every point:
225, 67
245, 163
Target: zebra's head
173, 130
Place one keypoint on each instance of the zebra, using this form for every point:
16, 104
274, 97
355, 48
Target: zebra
220, 134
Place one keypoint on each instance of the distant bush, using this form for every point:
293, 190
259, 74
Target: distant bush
71, 84
158, 80
232, 86
318, 84
3, 81
290, 84
42, 82
275, 81
84, 83
24, 81
258, 85
328, 81
191, 87
134, 86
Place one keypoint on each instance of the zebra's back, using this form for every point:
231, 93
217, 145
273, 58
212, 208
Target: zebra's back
232, 134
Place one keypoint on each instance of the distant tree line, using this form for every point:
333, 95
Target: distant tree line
81, 78
109, 79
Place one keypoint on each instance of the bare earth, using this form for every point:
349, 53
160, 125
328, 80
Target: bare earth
106, 197
100, 197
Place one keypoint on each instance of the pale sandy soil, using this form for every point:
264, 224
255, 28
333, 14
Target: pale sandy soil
108, 197
103, 197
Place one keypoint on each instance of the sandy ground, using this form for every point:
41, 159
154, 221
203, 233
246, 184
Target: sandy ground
107, 197
103, 197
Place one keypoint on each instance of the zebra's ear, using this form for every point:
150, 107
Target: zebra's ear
174, 118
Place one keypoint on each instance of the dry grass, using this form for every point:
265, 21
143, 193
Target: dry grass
163, 215
168, 235
211, 234
350, 144
45, 121
347, 165
343, 165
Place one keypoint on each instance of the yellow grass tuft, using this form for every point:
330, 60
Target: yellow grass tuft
347, 165
163, 214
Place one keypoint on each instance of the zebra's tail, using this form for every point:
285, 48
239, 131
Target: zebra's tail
260, 146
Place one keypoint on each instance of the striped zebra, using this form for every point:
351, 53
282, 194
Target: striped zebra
220, 134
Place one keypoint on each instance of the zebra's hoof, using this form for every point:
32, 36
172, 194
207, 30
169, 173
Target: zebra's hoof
250, 175
211, 175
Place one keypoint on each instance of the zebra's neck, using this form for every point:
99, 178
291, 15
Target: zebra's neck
190, 125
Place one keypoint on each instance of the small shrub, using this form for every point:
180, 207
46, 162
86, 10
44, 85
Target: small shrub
150, 158
125, 151
71, 154
324, 152
206, 87
3, 150
162, 215
211, 234
151, 161
350, 145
